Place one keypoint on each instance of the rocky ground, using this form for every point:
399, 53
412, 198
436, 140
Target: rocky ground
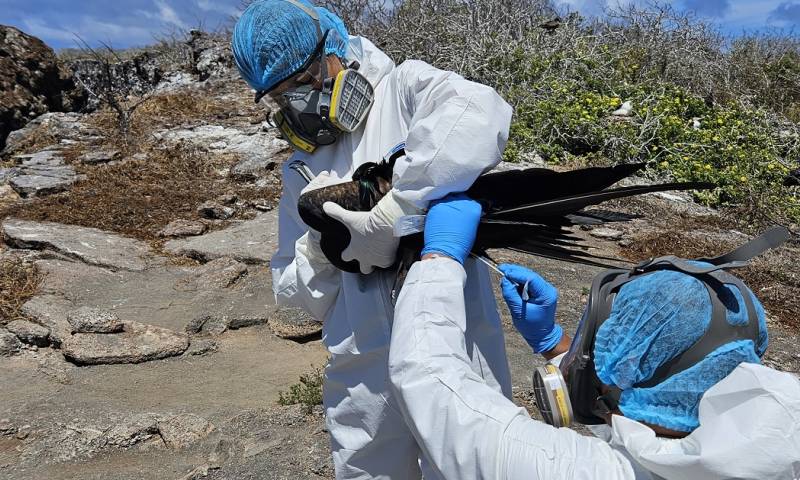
139, 337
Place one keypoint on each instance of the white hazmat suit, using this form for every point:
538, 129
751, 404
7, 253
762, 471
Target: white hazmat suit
749, 421
453, 131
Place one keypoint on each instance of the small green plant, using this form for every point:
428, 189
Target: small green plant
308, 392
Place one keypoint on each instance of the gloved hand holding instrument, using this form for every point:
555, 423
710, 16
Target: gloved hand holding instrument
532, 306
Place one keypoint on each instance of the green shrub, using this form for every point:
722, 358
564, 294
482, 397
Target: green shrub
308, 392
745, 151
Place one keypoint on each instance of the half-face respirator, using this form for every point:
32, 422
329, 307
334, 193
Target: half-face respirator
573, 392
309, 117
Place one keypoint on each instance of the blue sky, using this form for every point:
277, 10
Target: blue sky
126, 23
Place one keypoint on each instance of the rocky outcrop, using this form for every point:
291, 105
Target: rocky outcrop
9, 343
136, 344
251, 241
293, 324
64, 128
136, 76
32, 82
41, 173
211, 55
90, 245
29, 333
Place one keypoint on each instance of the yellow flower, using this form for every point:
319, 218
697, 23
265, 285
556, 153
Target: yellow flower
743, 179
664, 164
707, 166
771, 166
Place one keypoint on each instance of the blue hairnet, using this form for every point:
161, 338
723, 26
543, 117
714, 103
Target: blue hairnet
655, 318
273, 38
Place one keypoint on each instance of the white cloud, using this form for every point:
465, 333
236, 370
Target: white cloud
749, 14
90, 29
165, 14
38, 28
216, 6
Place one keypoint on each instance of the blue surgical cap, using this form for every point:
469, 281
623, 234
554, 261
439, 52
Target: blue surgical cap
653, 319
273, 38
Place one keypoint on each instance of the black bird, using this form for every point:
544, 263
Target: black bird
551, 25
792, 179
523, 210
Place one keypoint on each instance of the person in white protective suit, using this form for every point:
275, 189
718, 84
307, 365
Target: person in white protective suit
341, 102
723, 416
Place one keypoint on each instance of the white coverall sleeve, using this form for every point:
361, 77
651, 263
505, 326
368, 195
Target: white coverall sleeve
465, 428
458, 129
301, 276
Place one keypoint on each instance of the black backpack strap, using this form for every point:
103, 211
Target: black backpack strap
772, 238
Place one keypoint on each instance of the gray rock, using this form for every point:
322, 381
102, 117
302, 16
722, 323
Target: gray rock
39, 185
197, 473
211, 209
211, 55
7, 173
94, 320
201, 347
252, 241
252, 168
41, 158
138, 429
159, 294
605, 233
90, 245
29, 333
228, 199
53, 365
99, 156
184, 430
32, 81
136, 75
138, 343
293, 324
207, 324
6, 427
9, 344
247, 144
61, 126
183, 228
219, 324
50, 311
219, 273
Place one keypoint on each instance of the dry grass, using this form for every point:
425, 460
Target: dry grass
136, 197
19, 281
139, 196
179, 107
774, 277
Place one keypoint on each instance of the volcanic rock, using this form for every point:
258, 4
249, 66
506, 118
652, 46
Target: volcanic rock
32, 82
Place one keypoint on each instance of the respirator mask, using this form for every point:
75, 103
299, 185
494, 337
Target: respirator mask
309, 117
573, 392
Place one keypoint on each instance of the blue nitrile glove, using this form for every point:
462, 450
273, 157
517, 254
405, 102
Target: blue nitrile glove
451, 225
535, 318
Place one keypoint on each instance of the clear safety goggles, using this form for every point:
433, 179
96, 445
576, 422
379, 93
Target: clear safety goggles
310, 74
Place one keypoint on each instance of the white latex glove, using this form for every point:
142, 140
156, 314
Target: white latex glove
372, 240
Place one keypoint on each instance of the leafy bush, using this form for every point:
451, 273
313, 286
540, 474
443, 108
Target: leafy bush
308, 392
